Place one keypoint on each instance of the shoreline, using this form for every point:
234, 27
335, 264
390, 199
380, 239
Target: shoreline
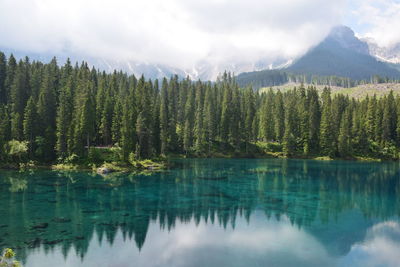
149, 166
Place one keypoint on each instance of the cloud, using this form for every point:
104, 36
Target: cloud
263, 243
382, 20
178, 33
380, 247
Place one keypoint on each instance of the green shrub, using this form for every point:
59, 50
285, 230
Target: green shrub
94, 155
17, 150
72, 159
7, 259
117, 154
273, 147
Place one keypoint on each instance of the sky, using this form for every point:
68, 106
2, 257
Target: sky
183, 33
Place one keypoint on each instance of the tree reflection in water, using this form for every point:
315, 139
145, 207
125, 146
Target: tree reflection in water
67, 209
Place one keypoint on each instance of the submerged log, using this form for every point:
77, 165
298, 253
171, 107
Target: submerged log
213, 178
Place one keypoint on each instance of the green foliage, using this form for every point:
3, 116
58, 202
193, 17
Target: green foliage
78, 117
8, 259
17, 149
94, 155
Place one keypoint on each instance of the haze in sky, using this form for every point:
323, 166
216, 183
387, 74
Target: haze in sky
181, 33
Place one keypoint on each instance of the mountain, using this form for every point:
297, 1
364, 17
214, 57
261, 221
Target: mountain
203, 70
341, 59
153, 71
342, 54
347, 39
389, 54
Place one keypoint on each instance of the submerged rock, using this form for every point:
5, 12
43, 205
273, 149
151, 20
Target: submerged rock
40, 226
61, 220
34, 243
52, 242
104, 170
92, 211
213, 178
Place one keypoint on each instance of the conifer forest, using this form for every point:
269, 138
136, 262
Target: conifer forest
58, 111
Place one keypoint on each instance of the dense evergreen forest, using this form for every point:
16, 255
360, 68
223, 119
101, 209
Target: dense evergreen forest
48, 113
267, 78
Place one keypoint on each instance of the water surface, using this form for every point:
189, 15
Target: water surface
206, 212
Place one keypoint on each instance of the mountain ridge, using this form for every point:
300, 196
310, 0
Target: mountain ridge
372, 59
340, 56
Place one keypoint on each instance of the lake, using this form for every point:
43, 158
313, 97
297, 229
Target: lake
206, 212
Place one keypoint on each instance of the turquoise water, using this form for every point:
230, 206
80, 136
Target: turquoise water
206, 212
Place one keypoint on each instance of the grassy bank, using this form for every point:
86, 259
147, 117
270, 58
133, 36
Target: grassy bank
275, 150
106, 160
101, 160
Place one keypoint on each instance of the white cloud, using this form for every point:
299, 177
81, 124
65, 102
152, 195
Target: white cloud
380, 248
179, 33
382, 20
263, 243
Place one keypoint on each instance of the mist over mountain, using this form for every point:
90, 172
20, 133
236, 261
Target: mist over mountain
339, 57
341, 54
389, 54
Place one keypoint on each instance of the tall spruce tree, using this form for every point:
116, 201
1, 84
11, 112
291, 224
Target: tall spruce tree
3, 75
30, 124
345, 141
164, 118
326, 129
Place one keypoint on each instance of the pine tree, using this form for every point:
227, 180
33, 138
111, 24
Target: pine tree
30, 124
279, 119
173, 89
209, 117
156, 132
16, 126
66, 109
4, 130
289, 140
142, 132
11, 69
371, 119
19, 93
3, 73
116, 123
198, 123
344, 142
235, 123
326, 128
389, 119
85, 129
46, 111
314, 119
303, 120
164, 118
106, 121
267, 131
189, 121
63, 119
250, 112
378, 122
398, 121
128, 130
226, 114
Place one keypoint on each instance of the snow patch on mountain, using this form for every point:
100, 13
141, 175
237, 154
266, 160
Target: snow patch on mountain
389, 54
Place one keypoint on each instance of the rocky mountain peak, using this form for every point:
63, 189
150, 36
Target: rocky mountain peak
347, 39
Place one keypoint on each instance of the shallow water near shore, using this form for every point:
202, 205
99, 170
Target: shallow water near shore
206, 212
